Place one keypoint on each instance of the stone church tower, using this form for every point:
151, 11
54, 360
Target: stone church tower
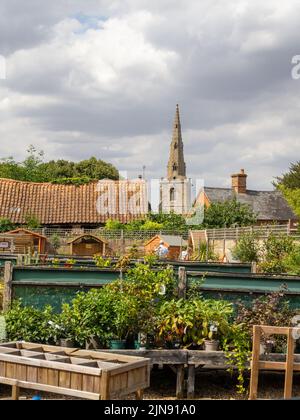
175, 190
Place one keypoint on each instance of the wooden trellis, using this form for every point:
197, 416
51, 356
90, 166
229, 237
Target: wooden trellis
289, 365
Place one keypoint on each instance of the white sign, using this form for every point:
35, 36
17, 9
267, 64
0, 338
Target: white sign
4, 244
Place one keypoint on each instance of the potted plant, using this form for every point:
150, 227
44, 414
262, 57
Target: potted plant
124, 319
212, 343
70, 263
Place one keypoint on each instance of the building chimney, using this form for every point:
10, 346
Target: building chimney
239, 182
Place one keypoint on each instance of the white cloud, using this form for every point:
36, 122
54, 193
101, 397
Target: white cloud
103, 77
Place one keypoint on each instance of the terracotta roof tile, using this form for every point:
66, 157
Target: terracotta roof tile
69, 204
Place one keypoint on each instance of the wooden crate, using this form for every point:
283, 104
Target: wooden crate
72, 372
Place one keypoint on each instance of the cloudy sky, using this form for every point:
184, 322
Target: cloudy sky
102, 77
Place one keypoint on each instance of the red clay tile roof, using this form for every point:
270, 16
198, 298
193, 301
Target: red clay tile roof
92, 203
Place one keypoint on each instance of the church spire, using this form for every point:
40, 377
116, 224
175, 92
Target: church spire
176, 164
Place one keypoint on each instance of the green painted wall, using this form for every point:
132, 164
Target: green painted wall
60, 275
245, 287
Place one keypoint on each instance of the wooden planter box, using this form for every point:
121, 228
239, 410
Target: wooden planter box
72, 372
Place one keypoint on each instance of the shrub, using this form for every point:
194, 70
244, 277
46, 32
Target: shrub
30, 324
276, 249
247, 248
192, 321
6, 225
291, 262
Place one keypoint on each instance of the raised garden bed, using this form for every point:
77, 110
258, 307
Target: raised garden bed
72, 372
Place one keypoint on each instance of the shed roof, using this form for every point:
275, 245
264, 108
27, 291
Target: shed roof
171, 240
72, 241
26, 232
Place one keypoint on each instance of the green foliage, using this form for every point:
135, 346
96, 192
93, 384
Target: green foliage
275, 250
55, 242
102, 262
293, 198
291, 262
169, 221
113, 225
204, 252
32, 222
6, 225
247, 248
230, 213
154, 222
72, 181
33, 169
29, 324
290, 179
237, 347
190, 321
272, 309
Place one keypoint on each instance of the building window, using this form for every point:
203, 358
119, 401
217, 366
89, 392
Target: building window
172, 194
175, 146
174, 167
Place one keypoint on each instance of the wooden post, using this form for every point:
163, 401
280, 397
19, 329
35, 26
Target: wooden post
191, 382
182, 282
288, 385
104, 390
255, 363
7, 293
139, 395
180, 382
15, 393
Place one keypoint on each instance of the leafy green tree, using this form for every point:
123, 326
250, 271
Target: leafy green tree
290, 179
293, 198
169, 221
33, 169
247, 248
230, 213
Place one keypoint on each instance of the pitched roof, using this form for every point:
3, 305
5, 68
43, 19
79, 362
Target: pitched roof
24, 231
171, 240
85, 236
92, 203
269, 205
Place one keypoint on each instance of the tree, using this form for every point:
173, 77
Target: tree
230, 213
292, 196
291, 179
33, 169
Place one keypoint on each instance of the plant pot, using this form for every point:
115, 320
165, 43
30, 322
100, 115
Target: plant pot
67, 342
211, 345
117, 344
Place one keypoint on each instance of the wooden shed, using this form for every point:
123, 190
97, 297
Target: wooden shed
173, 243
87, 246
27, 241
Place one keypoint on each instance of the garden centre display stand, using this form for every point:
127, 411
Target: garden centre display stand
72, 372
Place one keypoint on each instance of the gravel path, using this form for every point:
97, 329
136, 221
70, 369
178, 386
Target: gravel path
209, 385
